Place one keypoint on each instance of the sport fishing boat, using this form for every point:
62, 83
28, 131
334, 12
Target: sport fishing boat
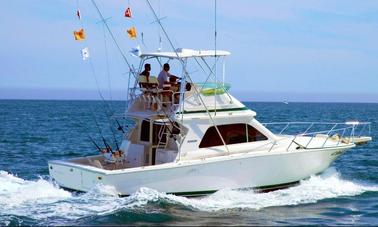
196, 138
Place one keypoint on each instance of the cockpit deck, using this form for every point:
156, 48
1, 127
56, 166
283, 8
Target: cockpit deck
134, 159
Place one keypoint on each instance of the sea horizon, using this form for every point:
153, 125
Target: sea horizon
244, 101
244, 96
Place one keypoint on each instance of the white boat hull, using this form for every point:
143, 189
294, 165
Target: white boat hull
248, 170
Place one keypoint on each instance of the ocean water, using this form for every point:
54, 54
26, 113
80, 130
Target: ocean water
33, 132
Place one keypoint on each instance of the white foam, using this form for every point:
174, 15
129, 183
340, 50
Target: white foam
327, 185
15, 191
42, 200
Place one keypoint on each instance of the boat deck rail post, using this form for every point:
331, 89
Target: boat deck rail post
303, 133
308, 129
341, 137
328, 133
311, 139
287, 125
364, 128
292, 141
273, 144
355, 129
313, 134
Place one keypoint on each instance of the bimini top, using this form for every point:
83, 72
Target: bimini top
186, 53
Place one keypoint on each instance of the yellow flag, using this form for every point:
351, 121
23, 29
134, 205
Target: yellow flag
132, 33
79, 35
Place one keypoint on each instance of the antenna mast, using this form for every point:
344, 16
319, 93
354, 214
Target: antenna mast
160, 39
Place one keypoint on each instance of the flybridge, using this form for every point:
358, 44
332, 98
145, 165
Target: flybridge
187, 53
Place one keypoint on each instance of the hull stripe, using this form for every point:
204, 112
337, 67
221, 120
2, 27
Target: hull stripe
267, 188
217, 110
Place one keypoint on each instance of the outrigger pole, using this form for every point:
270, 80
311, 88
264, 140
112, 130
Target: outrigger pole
186, 74
215, 56
100, 94
111, 35
131, 69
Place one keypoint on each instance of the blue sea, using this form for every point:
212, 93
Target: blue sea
33, 132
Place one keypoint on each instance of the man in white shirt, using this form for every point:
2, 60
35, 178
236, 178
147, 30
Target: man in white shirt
164, 74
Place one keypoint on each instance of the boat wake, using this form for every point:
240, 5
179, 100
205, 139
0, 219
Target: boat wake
42, 201
325, 186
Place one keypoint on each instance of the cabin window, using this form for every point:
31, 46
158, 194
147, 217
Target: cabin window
145, 131
231, 134
159, 130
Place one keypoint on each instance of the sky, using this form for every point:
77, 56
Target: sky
293, 50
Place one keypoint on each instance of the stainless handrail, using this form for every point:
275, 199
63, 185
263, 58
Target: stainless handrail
352, 126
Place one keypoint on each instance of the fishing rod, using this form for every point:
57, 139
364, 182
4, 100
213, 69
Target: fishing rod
107, 146
98, 88
92, 140
124, 58
128, 64
108, 115
120, 128
113, 133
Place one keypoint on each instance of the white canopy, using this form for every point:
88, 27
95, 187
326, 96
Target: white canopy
186, 53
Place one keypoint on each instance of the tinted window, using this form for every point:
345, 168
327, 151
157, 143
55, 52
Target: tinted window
231, 134
145, 131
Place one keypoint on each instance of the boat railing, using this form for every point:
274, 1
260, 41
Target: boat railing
161, 97
346, 132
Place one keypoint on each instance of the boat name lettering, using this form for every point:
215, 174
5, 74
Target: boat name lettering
192, 141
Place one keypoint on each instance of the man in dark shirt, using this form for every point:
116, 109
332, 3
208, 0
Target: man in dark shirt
146, 72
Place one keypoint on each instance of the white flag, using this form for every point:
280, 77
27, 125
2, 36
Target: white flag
135, 51
85, 53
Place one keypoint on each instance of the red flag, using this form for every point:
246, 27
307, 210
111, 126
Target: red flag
128, 12
78, 14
